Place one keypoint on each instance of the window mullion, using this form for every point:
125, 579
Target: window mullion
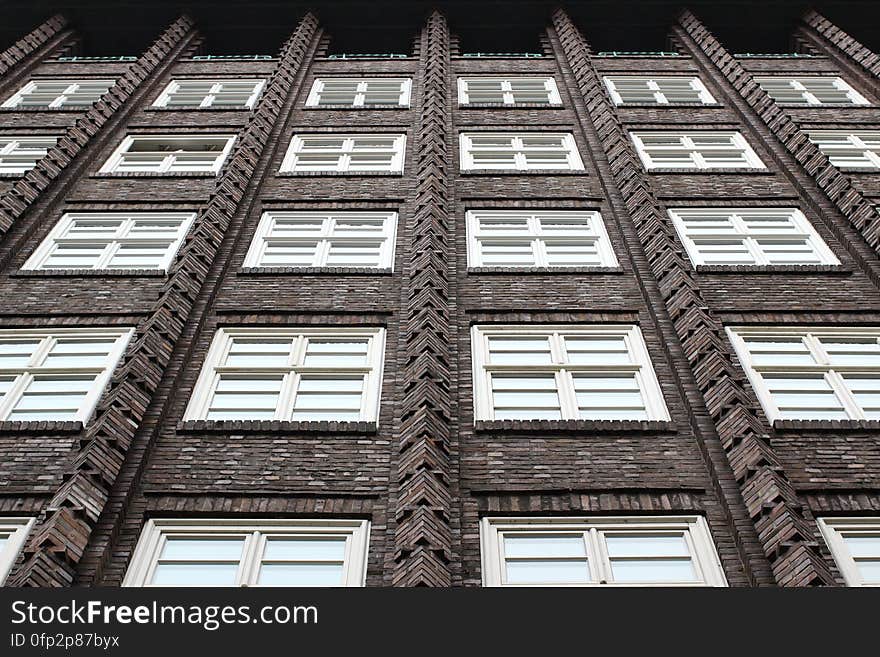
843, 393
600, 562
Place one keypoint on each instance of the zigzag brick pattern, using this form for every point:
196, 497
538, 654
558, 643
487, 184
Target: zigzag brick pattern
18, 52
856, 51
60, 538
785, 534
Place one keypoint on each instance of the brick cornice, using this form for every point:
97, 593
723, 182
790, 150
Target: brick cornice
770, 499
836, 40
16, 54
59, 540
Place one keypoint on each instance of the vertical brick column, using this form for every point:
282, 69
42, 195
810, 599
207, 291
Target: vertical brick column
40, 41
851, 55
61, 536
422, 541
771, 501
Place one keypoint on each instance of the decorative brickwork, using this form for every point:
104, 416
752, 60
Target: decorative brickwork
16, 54
836, 38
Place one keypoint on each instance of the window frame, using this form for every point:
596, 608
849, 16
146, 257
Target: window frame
17, 141
832, 528
466, 161
24, 374
604, 248
19, 528
37, 260
15, 101
146, 554
704, 555
641, 367
289, 164
164, 167
508, 98
811, 236
651, 84
686, 145
317, 88
856, 142
208, 101
796, 83
203, 391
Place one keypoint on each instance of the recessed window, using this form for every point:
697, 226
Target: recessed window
13, 532
855, 546
695, 150
599, 551
360, 92
815, 90
226, 552
170, 154
59, 93
541, 238
849, 149
231, 93
638, 90
345, 153
112, 240
299, 374
573, 372
519, 151
508, 91
19, 154
750, 236
812, 373
323, 239
57, 375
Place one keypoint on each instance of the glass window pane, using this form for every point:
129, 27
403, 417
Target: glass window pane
195, 574
301, 574
548, 572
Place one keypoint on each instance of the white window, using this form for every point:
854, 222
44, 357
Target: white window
849, 149
695, 150
637, 90
594, 551
227, 552
855, 546
360, 92
345, 153
509, 91
57, 375
812, 373
112, 240
540, 238
19, 154
519, 151
13, 532
815, 90
59, 93
298, 374
323, 239
750, 236
564, 373
231, 93
170, 153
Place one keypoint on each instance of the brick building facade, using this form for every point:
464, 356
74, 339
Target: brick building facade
565, 399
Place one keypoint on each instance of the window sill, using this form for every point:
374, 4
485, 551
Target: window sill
715, 171
514, 106
31, 110
92, 273
573, 426
337, 174
774, 269
12, 176
826, 425
523, 172
40, 426
672, 105
848, 170
276, 426
196, 108
314, 271
826, 106
312, 108
150, 174
544, 270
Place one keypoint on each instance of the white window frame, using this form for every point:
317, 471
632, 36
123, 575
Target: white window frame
324, 238
343, 162
748, 237
508, 98
808, 334
856, 142
24, 374
128, 219
641, 366
832, 528
704, 556
18, 528
167, 163
202, 395
573, 157
653, 83
800, 83
537, 237
60, 101
314, 97
254, 531
217, 88
14, 148
686, 145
